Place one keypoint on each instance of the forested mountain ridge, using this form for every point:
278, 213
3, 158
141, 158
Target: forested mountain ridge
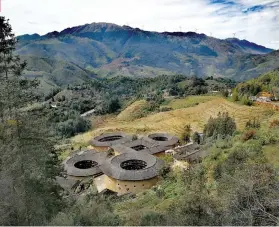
250, 47
111, 50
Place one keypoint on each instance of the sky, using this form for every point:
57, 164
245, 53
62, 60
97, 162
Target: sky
254, 20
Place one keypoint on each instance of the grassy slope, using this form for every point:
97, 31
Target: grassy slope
188, 102
174, 121
272, 154
133, 111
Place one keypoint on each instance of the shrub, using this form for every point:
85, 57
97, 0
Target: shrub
235, 96
110, 152
114, 106
165, 109
174, 91
168, 159
152, 219
246, 101
225, 93
186, 133
72, 127
274, 123
151, 106
165, 171
255, 123
196, 138
223, 126
248, 135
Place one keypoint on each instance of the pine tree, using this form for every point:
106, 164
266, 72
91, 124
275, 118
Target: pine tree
28, 164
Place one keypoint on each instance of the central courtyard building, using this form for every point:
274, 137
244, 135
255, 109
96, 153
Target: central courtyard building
131, 172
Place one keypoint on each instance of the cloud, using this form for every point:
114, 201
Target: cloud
255, 20
224, 2
257, 8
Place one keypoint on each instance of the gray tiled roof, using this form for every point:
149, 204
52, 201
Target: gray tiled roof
151, 146
171, 140
147, 142
121, 148
190, 153
111, 167
155, 150
124, 138
91, 155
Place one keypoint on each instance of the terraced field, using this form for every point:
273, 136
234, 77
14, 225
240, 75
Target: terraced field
188, 102
174, 121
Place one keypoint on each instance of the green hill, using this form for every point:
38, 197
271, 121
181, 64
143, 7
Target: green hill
268, 82
55, 73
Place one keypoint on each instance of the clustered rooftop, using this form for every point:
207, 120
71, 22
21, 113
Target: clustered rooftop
133, 160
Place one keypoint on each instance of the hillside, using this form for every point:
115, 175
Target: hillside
250, 47
174, 121
55, 73
111, 50
268, 82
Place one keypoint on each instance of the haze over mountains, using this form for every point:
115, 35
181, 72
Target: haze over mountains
103, 49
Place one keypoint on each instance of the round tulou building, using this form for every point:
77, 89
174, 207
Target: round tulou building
164, 139
131, 172
105, 141
85, 164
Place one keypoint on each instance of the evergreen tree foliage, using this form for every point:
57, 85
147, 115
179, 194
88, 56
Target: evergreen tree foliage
153, 219
28, 163
235, 96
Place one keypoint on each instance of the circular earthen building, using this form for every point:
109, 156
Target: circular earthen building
131, 172
85, 164
105, 141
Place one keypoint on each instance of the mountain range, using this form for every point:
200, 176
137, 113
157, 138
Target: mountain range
104, 50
